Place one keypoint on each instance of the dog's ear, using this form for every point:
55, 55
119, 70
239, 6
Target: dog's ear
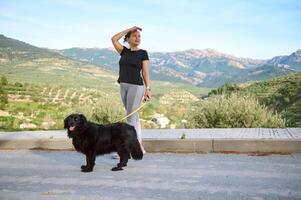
66, 122
84, 119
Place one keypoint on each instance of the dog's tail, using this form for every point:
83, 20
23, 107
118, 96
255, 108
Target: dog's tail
136, 151
135, 148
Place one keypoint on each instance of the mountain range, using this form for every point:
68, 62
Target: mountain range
198, 67
201, 67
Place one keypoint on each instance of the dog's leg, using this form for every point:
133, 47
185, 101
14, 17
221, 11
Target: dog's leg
87, 160
124, 161
90, 159
124, 157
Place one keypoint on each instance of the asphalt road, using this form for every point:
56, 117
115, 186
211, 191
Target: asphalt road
26, 174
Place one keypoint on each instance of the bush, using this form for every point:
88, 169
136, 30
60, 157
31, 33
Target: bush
286, 95
17, 84
3, 98
225, 89
104, 111
6, 122
3, 80
233, 111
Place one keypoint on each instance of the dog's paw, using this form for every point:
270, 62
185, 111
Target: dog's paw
121, 165
83, 166
87, 169
116, 168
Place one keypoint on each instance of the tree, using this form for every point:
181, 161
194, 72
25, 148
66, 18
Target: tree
3, 97
4, 80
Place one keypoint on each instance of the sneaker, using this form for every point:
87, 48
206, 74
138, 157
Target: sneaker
143, 150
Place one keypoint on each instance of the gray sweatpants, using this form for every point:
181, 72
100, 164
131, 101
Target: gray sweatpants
131, 95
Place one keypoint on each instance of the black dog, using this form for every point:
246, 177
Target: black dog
94, 139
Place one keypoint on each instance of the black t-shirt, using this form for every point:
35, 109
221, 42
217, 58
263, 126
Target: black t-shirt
130, 65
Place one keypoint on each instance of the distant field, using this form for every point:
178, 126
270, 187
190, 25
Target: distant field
78, 77
42, 100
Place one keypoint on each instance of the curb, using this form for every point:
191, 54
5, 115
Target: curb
178, 145
278, 146
270, 146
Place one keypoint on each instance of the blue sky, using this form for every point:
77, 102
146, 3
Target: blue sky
246, 28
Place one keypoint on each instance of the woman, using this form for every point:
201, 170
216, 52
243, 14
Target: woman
132, 61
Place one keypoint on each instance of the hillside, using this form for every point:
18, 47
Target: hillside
23, 62
281, 94
43, 106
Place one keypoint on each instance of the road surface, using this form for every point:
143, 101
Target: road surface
33, 174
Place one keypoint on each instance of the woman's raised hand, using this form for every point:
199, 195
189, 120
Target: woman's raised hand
135, 28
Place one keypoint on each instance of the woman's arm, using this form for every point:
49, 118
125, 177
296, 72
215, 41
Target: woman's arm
145, 75
118, 46
145, 72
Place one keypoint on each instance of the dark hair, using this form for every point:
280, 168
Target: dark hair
128, 34
125, 39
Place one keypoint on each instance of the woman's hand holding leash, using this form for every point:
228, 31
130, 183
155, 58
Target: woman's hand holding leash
147, 94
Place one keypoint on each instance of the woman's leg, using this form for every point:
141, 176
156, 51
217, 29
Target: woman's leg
123, 93
134, 97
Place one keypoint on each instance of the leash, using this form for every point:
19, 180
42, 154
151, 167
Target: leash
138, 108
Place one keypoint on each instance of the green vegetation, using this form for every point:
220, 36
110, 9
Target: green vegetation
272, 103
44, 106
281, 95
3, 94
233, 111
